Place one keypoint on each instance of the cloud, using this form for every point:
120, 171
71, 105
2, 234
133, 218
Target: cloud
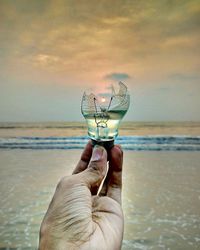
117, 76
98, 37
50, 41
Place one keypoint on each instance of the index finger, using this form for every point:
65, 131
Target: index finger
85, 159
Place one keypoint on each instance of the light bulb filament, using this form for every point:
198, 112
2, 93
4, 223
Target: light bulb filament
104, 112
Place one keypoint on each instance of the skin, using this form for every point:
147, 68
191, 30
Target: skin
83, 213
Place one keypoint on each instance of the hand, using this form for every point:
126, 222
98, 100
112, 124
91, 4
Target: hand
78, 218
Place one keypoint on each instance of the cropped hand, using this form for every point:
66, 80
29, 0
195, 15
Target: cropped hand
83, 215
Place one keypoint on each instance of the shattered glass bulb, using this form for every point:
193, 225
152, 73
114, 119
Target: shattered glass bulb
103, 112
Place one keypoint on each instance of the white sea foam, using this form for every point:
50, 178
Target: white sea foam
155, 143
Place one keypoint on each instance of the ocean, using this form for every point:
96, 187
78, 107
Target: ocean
133, 136
161, 187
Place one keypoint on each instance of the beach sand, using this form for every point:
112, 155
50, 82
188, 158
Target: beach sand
161, 196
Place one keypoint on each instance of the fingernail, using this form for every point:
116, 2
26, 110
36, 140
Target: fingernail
97, 153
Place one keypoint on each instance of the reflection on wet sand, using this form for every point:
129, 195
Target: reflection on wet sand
161, 196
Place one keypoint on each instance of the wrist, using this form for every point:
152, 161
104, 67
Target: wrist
50, 242
45, 244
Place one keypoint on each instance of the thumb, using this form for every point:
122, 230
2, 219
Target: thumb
96, 170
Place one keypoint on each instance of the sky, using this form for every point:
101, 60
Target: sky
52, 50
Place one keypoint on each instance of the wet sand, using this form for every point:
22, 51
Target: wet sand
79, 129
161, 196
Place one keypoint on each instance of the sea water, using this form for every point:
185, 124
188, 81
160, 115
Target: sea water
104, 125
160, 196
161, 188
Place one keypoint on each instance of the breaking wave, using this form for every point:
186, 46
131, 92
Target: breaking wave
137, 143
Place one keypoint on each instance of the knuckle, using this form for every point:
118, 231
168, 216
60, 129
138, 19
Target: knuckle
62, 183
95, 170
116, 186
94, 166
44, 229
120, 150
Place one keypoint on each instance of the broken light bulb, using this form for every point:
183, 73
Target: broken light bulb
103, 112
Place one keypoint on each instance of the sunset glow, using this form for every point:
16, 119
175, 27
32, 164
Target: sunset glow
51, 51
103, 99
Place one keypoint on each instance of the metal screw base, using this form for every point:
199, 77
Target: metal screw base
106, 144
